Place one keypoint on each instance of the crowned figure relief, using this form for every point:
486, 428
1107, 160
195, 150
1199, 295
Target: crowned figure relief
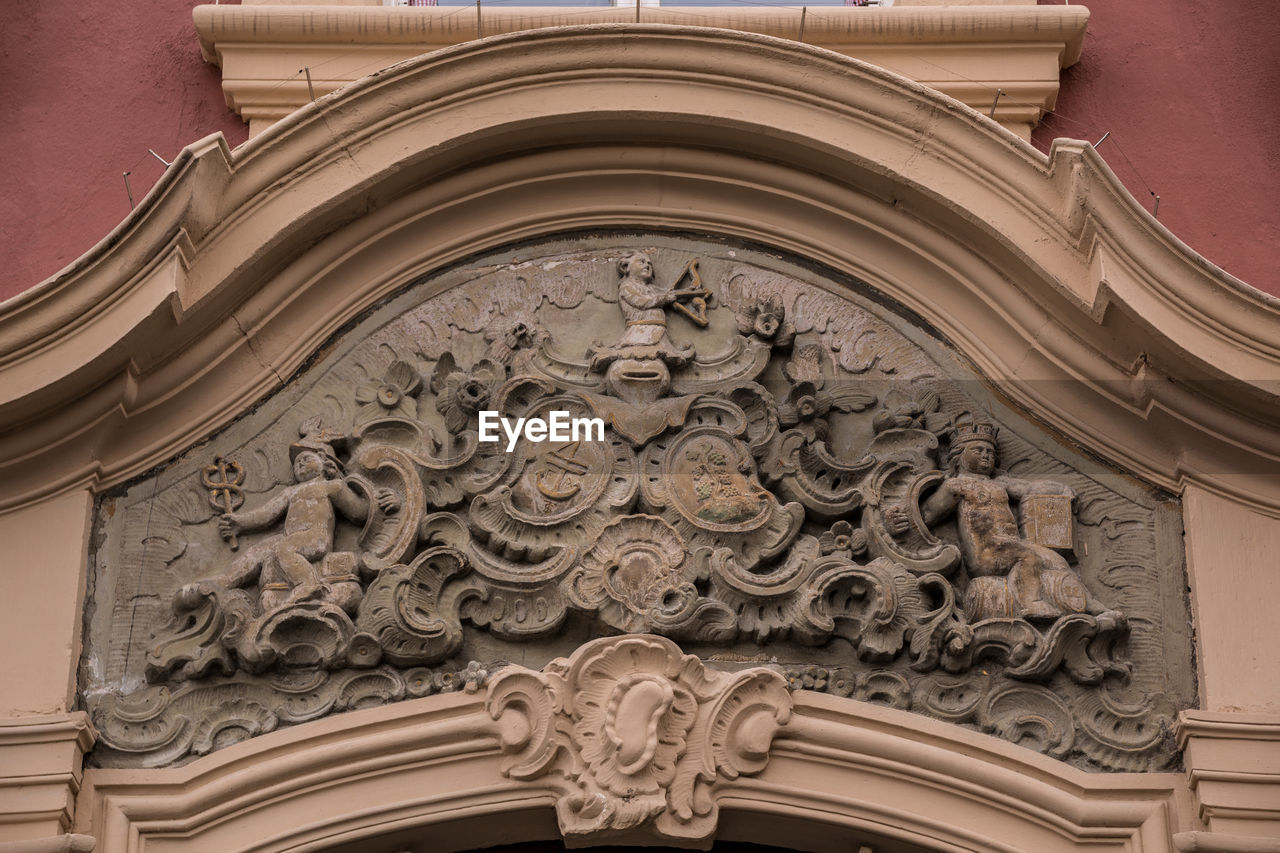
1011, 576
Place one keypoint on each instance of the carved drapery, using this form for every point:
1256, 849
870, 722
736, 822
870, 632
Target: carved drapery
787, 476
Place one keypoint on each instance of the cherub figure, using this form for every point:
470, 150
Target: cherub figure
1011, 576
285, 566
643, 303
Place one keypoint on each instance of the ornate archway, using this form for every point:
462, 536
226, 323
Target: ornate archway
255, 285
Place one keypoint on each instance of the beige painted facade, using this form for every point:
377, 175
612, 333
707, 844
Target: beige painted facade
1043, 273
274, 58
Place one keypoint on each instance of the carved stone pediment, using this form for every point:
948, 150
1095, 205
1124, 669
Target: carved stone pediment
764, 465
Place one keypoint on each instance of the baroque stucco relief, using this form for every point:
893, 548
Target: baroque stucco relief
791, 476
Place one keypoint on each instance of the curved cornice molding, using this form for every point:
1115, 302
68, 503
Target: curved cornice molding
1045, 273
843, 771
966, 52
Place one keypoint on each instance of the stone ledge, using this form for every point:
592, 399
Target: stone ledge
1233, 769
42, 761
839, 767
51, 844
1216, 842
965, 52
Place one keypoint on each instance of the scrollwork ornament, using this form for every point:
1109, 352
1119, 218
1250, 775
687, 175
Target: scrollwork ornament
635, 576
636, 733
404, 612
1121, 735
231, 721
1029, 714
207, 623
155, 727
777, 466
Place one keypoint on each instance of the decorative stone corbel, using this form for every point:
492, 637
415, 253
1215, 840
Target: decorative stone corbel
635, 734
1232, 763
41, 761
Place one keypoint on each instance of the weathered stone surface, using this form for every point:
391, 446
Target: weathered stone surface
789, 474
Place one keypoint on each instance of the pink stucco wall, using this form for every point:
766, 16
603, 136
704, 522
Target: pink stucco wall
1190, 92
86, 87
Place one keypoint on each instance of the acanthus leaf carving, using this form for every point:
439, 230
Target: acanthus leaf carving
195, 643
401, 609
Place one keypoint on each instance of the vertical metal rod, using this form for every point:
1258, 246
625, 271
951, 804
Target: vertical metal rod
479, 23
995, 101
128, 190
637, 11
310, 89
804, 13
1156, 211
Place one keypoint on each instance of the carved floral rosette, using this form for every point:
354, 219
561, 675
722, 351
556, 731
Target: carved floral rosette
635, 733
782, 479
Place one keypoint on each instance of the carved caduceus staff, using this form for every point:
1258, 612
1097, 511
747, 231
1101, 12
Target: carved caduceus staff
223, 479
696, 295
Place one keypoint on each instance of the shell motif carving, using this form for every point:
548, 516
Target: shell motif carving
635, 733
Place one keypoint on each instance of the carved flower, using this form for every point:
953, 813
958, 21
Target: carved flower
394, 396
807, 407
808, 678
915, 410
765, 319
419, 682
804, 403
843, 540
473, 677
841, 683
460, 393
815, 678
506, 338
958, 640
809, 402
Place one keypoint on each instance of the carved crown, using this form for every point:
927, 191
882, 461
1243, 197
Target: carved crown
971, 431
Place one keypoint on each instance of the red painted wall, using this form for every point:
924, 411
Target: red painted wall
1190, 90
86, 87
